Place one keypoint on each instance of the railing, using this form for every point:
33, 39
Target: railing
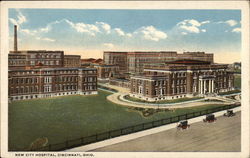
128, 130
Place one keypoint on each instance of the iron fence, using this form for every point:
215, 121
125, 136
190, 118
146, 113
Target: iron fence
128, 130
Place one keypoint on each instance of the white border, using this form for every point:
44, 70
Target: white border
242, 5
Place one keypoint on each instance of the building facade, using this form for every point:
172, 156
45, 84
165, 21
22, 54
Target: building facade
116, 58
41, 58
181, 79
134, 62
72, 61
17, 61
50, 82
121, 82
105, 72
41, 74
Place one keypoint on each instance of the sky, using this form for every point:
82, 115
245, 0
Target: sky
89, 32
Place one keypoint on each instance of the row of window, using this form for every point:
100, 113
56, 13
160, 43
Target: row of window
37, 56
34, 89
179, 74
210, 73
49, 80
21, 90
17, 62
178, 82
162, 91
51, 62
23, 80
53, 71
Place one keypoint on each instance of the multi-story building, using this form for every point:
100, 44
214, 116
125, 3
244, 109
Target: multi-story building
34, 58
17, 61
104, 72
116, 58
133, 62
41, 73
182, 78
72, 61
50, 82
121, 82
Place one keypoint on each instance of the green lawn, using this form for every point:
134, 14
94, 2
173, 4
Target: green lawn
162, 101
69, 117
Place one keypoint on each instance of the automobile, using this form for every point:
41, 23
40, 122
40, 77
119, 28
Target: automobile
210, 118
183, 125
229, 113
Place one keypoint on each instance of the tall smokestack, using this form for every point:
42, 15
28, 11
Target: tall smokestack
15, 38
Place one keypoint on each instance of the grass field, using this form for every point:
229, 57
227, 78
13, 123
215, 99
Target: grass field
69, 117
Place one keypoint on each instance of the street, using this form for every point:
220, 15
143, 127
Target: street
223, 135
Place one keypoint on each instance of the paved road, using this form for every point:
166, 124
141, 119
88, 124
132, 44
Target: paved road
223, 135
114, 98
118, 98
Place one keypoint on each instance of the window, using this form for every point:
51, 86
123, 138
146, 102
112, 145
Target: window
31, 89
32, 62
47, 79
47, 88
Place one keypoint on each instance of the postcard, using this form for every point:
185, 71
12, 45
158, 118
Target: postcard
125, 79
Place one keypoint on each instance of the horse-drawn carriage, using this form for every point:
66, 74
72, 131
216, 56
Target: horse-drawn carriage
183, 125
210, 118
229, 113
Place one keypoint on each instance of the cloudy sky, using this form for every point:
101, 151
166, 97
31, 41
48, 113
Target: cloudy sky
90, 32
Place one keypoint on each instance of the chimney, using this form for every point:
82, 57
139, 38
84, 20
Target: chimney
15, 38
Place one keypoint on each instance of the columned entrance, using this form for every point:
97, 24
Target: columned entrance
206, 84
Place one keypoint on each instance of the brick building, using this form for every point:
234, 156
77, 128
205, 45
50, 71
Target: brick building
17, 61
121, 82
50, 82
182, 78
104, 72
41, 74
72, 61
116, 58
34, 58
133, 62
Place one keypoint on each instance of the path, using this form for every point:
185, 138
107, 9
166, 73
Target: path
118, 98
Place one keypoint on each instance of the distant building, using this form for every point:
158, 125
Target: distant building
34, 58
121, 82
72, 61
51, 82
105, 72
116, 58
17, 61
181, 78
133, 62
91, 61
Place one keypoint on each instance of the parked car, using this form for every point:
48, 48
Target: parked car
229, 113
183, 125
210, 118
